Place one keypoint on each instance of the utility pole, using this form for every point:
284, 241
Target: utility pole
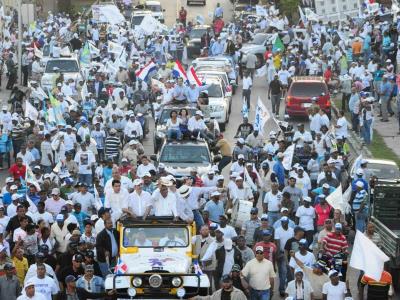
19, 41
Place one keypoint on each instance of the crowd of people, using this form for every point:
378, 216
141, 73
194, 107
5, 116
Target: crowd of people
73, 175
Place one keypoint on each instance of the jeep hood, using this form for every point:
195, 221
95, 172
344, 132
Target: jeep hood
183, 169
166, 261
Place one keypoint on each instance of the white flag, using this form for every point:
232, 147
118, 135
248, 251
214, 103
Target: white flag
288, 157
65, 51
84, 91
71, 101
30, 111
335, 199
93, 50
366, 256
261, 11
115, 48
262, 116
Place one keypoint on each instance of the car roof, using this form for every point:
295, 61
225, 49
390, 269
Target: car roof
152, 2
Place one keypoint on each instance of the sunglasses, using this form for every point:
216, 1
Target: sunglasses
259, 252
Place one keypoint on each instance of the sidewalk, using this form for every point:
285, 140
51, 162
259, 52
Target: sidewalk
385, 141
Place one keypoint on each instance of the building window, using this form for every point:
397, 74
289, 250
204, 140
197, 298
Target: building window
333, 1
344, 7
323, 11
355, 5
334, 9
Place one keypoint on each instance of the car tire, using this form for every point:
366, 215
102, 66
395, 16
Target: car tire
222, 126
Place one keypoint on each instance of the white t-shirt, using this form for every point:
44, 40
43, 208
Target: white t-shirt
45, 286
229, 232
306, 217
308, 259
342, 131
273, 201
85, 159
334, 292
283, 236
46, 216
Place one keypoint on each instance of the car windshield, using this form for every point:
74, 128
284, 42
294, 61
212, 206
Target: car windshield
307, 89
197, 33
190, 154
215, 91
165, 114
155, 8
383, 171
259, 39
150, 237
137, 20
63, 65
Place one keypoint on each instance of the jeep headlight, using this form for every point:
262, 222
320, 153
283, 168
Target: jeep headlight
137, 282
132, 292
181, 292
155, 280
176, 281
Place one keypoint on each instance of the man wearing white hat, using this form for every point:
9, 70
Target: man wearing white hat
139, 200
164, 201
196, 125
29, 292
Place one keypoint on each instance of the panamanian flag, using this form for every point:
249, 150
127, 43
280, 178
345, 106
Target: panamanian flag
121, 267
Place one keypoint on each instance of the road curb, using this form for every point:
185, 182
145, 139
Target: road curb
354, 140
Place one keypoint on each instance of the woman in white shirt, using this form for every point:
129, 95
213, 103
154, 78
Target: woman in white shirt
299, 288
173, 126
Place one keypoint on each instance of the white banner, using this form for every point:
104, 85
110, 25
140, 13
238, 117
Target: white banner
107, 14
114, 48
261, 117
150, 24
261, 11
367, 256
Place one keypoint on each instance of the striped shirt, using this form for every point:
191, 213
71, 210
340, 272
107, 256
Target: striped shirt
18, 133
334, 243
359, 198
112, 146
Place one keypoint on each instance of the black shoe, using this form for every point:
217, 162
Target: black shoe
282, 294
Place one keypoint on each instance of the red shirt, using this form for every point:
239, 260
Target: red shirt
327, 75
269, 250
218, 25
182, 15
17, 172
322, 213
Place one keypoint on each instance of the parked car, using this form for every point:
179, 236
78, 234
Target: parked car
382, 169
194, 44
302, 91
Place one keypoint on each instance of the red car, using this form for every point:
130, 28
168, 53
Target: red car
302, 91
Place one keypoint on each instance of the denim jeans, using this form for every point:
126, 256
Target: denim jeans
282, 271
361, 217
354, 121
104, 268
366, 131
259, 294
86, 178
174, 132
273, 217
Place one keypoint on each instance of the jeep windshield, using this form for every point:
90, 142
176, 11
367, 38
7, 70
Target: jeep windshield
214, 91
150, 237
63, 65
197, 33
188, 154
165, 114
384, 171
